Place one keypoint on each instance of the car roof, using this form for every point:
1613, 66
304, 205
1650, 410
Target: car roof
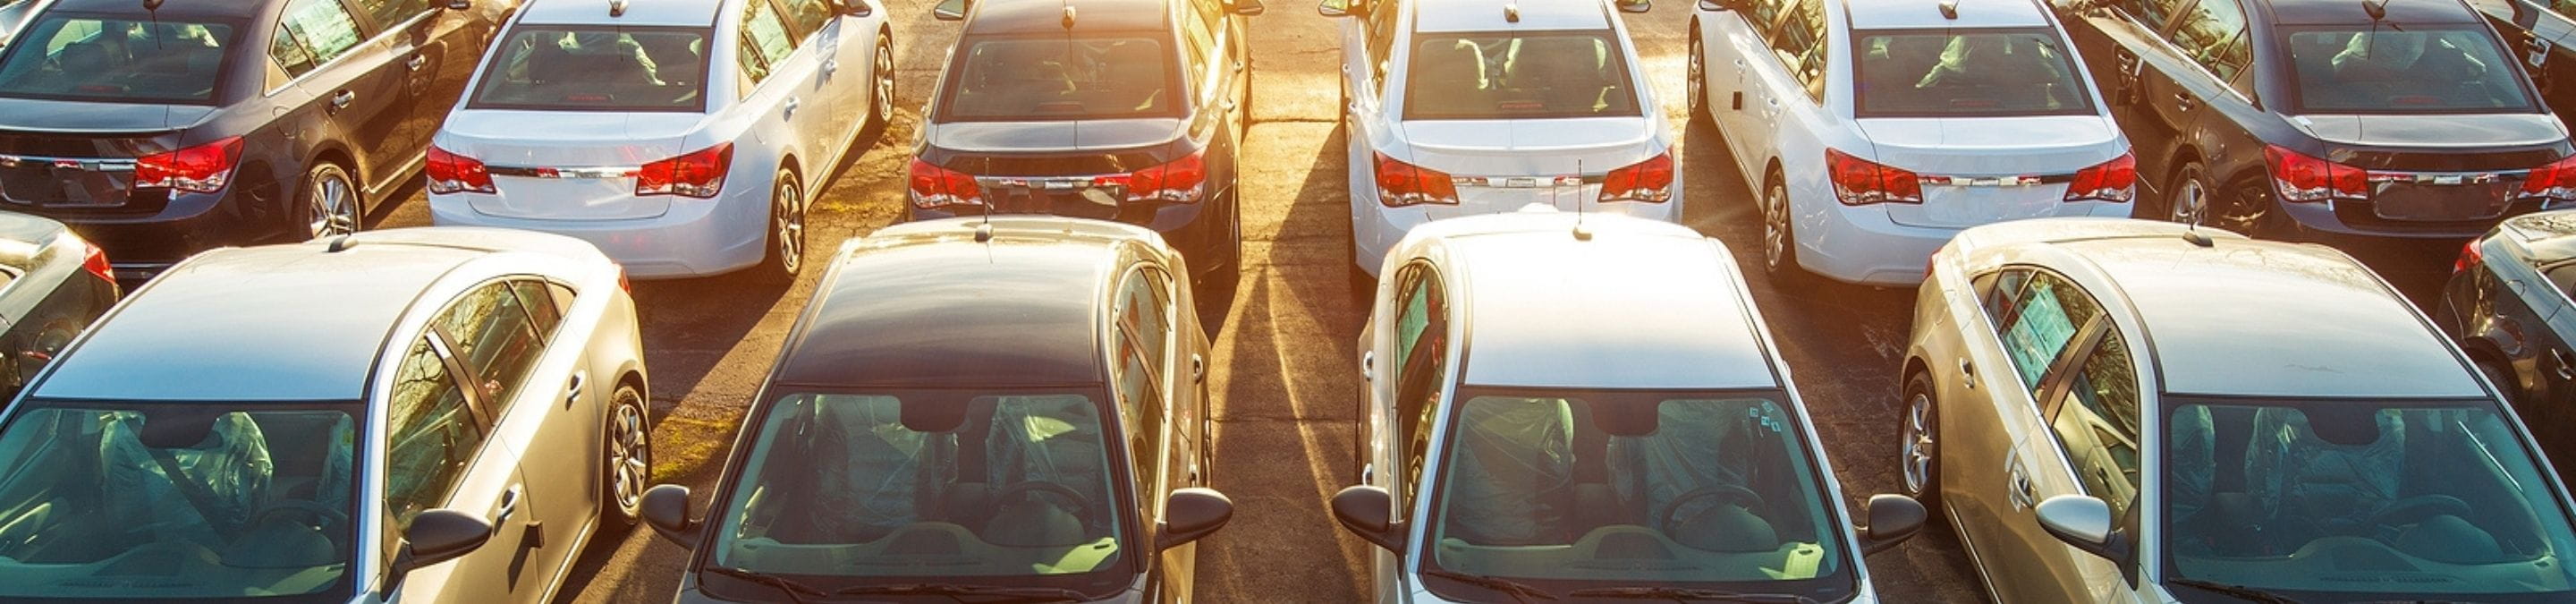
1437, 16
696, 13
1642, 304
2350, 12
2243, 317
313, 320
2544, 237
1910, 14
1028, 16
926, 305
176, 11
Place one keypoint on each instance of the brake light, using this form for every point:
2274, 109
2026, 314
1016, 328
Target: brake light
700, 174
451, 173
1650, 181
934, 187
2556, 181
2113, 181
1177, 181
95, 261
202, 168
1401, 184
1860, 182
2303, 179
2470, 256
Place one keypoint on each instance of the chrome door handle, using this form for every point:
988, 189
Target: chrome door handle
509, 504
1968, 370
2565, 370
572, 392
342, 100
831, 67
2184, 101
791, 107
417, 62
1368, 366
1368, 474
2021, 491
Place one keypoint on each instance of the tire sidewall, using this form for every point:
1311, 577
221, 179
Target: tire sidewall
613, 514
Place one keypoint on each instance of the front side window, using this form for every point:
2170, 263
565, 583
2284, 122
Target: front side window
73, 57
392, 13
1143, 343
2037, 321
2325, 500
1011, 489
1975, 74
1518, 75
2096, 424
1420, 370
546, 67
1052, 77
2422, 69
1571, 491
135, 501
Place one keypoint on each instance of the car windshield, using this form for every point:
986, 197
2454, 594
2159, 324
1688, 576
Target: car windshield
2338, 499
1518, 75
1568, 490
1054, 77
597, 69
118, 501
2403, 70
1939, 73
101, 59
1012, 489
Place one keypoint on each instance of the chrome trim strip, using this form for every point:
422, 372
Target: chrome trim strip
71, 163
590, 172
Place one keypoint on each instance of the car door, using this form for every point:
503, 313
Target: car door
1783, 87
440, 452
1420, 346
2090, 446
2550, 366
425, 41
2539, 30
777, 81
840, 98
359, 83
1732, 40
1215, 75
539, 406
2032, 318
1149, 376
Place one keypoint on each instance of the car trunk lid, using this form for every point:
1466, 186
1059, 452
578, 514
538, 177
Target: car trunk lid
1504, 165
2437, 169
583, 168
1987, 169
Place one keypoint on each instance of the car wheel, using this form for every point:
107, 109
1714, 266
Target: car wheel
1920, 445
2190, 201
628, 458
1779, 239
330, 199
881, 98
1698, 79
786, 254
2504, 383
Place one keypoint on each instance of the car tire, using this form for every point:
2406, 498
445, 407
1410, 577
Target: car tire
881, 93
2504, 382
786, 235
328, 202
1697, 77
1919, 452
626, 455
2192, 197
1779, 236
1216, 289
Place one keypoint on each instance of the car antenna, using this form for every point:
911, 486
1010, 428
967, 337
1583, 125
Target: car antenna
1950, 9
2378, 10
617, 8
984, 230
1512, 13
1068, 15
1580, 233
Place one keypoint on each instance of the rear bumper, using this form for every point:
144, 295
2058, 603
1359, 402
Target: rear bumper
1200, 231
1375, 228
140, 244
2326, 223
1862, 245
696, 238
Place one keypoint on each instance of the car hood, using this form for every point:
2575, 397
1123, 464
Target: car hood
1042, 137
88, 117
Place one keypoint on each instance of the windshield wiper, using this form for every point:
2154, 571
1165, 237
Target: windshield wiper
1685, 594
796, 592
1520, 592
960, 592
2237, 591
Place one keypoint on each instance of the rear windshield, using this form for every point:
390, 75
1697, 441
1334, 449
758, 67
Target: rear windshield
629, 69
1518, 75
87, 58
1057, 78
1952, 74
2417, 70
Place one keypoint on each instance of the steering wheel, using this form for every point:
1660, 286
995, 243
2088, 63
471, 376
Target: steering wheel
1081, 505
329, 516
1724, 493
2416, 509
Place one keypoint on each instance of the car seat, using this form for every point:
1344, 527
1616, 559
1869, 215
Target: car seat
1052, 439
867, 471
1696, 445
1510, 474
1564, 73
1131, 76
2299, 480
223, 480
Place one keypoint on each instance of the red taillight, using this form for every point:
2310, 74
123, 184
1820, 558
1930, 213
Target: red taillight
1650, 181
700, 174
202, 168
2470, 256
934, 187
451, 173
1860, 182
2556, 181
96, 262
2303, 179
1177, 181
2113, 181
1401, 184
622, 284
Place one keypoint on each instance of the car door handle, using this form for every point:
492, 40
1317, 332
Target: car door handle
1968, 370
417, 62
2184, 101
831, 67
791, 107
2565, 370
509, 504
2021, 491
342, 100
572, 392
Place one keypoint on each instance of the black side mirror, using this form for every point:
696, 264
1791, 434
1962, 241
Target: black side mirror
2084, 522
436, 536
1892, 519
666, 507
1191, 514
1248, 8
949, 10
854, 8
1334, 8
1636, 6
1369, 512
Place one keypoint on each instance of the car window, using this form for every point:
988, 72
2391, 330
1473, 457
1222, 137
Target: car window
548, 67
2213, 34
491, 333
1052, 78
563, 296
324, 27
2153, 12
1143, 341
1198, 40
1383, 20
765, 41
2422, 69
2566, 8
1976, 74
543, 314
808, 16
1422, 327
2096, 423
392, 13
431, 434
1798, 42
1765, 14
2041, 319
81, 58
1517, 75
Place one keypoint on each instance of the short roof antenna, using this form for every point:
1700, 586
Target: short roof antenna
1512, 13
984, 230
617, 8
1580, 233
1068, 16
1950, 9
2378, 9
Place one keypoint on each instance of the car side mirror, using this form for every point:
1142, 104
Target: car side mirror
1892, 520
854, 8
666, 507
949, 10
1636, 6
1715, 5
2084, 522
1334, 8
1191, 514
436, 536
1369, 512
460, 4
1249, 8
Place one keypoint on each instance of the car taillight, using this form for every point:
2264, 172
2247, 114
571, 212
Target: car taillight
1860, 182
1650, 181
1176, 181
2470, 256
2303, 179
934, 187
700, 174
95, 261
1401, 184
451, 173
202, 168
2113, 181
2556, 181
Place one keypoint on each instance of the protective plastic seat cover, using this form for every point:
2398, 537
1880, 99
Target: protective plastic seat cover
1511, 479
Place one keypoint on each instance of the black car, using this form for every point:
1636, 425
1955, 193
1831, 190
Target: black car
2539, 32
2319, 119
1126, 110
970, 410
159, 129
2507, 303
53, 284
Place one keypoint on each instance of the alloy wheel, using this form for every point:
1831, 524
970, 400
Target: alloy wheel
1919, 447
1697, 79
885, 82
2190, 203
630, 456
1775, 227
331, 202
787, 227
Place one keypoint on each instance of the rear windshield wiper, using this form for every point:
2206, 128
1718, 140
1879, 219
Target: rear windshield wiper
1520, 592
2237, 591
1685, 594
796, 592
960, 592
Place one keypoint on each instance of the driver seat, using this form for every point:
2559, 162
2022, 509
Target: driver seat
2299, 477
230, 471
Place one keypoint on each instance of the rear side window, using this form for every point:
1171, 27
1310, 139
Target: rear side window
391, 13
2214, 35
1517, 75
765, 42
2417, 70
80, 58
1048, 77
1944, 74
601, 69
